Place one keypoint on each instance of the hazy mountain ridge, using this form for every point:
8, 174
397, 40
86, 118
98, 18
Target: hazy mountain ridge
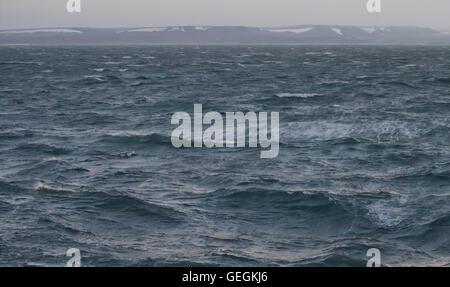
303, 34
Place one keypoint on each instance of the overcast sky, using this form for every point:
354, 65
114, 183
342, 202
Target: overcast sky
17, 14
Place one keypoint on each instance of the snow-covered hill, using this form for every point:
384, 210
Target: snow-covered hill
305, 34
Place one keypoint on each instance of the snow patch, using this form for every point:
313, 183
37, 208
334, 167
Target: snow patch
337, 31
369, 30
148, 30
177, 29
296, 31
202, 28
42, 31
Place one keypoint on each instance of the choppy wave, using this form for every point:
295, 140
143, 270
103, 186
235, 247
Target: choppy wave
87, 159
297, 95
42, 187
129, 139
385, 131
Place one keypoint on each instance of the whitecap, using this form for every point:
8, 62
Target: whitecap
297, 95
386, 131
95, 77
387, 213
242, 56
40, 186
113, 63
408, 66
330, 82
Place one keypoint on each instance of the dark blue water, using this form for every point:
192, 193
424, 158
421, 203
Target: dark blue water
86, 159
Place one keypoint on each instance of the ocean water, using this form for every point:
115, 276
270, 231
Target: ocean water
86, 159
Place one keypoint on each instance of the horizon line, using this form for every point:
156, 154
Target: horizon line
244, 26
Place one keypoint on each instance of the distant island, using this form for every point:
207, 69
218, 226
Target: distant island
304, 34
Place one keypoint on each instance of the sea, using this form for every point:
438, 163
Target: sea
86, 159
